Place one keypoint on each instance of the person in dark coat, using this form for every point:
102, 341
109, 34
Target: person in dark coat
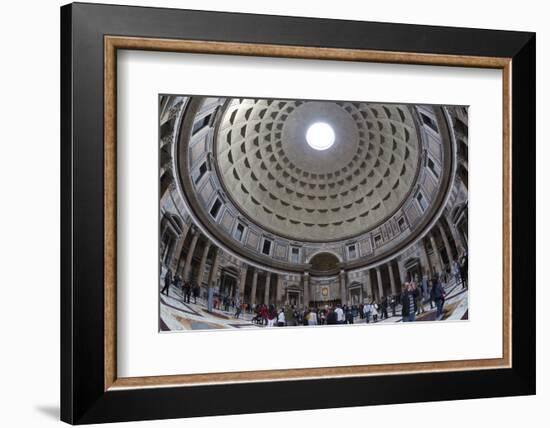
196, 292
463, 266
349, 315
438, 296
331, 317
187, 292
384, 308
408, 302
167, 282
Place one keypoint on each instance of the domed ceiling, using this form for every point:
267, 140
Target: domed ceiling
279, 181
252, 180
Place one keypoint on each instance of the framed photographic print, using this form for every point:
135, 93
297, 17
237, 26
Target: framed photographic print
254, 207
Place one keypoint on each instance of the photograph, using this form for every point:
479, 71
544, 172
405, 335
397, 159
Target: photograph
295, 212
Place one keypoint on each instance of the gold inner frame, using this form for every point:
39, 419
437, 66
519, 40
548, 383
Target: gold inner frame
113, 43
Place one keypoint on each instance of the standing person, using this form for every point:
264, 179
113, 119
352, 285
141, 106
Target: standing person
393, 304
349, 315
257, 318
271, 316
399, 299
322, 316
367, 310
298, 316
438, 295
290, 318
430, 286
340, 317
402, 292
408, 302
455, 271
331, 316
312, 318
187, 292
167, 282
196, 291
281, 318
384, 308
464, 269
238, 311
301, 318
374, 311
419, 299
265, 314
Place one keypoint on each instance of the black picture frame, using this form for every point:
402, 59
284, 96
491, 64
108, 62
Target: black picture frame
83, 396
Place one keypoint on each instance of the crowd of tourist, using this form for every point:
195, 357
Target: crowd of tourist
414, 295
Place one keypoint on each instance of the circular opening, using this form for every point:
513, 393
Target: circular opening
320, 136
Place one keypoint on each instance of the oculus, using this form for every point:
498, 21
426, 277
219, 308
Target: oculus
320, 136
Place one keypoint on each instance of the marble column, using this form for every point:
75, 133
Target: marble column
392, 279
446, 243
368, 284
439, 262
164, 228
254, 286
189, 258
242, 280
379, 282
343, 290
214, 269
179, 248
203, 261
402, 270
278, 289
306, 289
424, 259
266, 287
460, 245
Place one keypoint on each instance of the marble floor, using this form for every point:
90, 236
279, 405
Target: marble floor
454, 309
177, 316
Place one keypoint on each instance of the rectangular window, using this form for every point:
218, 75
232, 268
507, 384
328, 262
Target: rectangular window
215, 208
352, 251
421, 201
295, 255
377, 240
429, 121
202, 170
433, 168
239, 232
266, 248
201, 123
402, 224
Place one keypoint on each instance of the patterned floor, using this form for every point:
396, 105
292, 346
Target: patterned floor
177, 316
